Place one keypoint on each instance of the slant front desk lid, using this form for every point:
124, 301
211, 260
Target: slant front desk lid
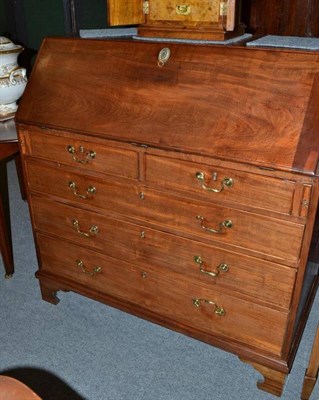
256, 106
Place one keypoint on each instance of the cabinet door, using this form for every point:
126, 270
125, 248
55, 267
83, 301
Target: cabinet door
123, 12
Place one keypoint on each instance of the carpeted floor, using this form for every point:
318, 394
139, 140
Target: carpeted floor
81, 349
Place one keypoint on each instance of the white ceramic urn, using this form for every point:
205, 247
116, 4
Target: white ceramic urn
13, 78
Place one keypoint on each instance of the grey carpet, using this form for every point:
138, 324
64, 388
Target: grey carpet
107, 33
225, 42
132, 33
81, 349
292, 42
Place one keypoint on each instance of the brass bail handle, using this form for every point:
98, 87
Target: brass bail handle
221, 267
183, 9
223, 226
91, 190
96, 270
85, 155
218, 310
225, 183
93, 231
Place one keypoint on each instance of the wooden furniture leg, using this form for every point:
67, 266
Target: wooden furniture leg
20, 177
5, 229
311, 374
49, 293
9, 150
274, 381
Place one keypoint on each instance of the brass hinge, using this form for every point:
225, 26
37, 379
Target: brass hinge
223, 8
146, 7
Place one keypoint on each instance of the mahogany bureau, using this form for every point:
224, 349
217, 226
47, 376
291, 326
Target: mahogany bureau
180, 185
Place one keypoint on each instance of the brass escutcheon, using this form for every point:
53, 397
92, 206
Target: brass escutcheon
163, 56
143, 274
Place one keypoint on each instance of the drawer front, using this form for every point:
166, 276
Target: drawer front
193, 11
217, 184
197, 262
261, 235
83, 189
85, 154
179, 301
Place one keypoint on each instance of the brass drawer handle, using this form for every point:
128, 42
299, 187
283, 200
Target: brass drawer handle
96, 270
94, 230
221, 267
218, 310
90, 191
183, 9
226, 183
227, 224
85, 158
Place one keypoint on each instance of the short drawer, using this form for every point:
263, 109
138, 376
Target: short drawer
192, 305
84, 153
263, 236
193, 12
200, 263
218, 184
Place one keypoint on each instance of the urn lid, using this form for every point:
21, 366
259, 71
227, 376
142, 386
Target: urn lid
6, 46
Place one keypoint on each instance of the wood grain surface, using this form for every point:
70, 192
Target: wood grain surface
236, 103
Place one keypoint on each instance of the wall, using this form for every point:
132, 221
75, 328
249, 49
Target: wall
43, 18
3, 19
29, 21
285, 17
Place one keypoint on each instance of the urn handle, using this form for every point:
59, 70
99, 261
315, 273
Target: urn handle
16, 72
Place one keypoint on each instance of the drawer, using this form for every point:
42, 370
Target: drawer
261, 235
197, 262
176, 301
84, 190
218, 184
85, 153
194, 11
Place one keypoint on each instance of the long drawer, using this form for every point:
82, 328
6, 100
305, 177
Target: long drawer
193, 305
218, 184
261, 235
204, 264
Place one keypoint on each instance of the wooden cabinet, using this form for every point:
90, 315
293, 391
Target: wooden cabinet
193, 19
184, 193
285, 17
